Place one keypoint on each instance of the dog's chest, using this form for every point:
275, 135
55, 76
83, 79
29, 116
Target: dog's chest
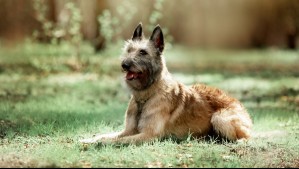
140, 106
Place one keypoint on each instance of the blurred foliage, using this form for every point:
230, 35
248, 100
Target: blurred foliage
47, 26
155, 16
68, 29
112, 25
74, 26
65, 21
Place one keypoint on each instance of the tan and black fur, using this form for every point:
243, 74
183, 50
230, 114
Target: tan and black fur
161, 106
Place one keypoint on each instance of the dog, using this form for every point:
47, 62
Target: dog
160, 106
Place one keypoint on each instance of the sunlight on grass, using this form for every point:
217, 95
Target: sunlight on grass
74, 78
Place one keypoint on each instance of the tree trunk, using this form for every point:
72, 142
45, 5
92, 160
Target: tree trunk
89, 19
291, 40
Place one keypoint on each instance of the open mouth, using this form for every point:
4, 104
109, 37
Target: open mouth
133, 75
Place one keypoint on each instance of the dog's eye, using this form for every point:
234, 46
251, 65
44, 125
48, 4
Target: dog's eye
143, 52
129, 50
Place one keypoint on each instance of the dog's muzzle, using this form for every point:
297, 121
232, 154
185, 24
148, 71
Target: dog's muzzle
126, 66
131, 74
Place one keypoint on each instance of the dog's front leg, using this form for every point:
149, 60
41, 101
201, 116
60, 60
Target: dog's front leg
151, 126
101, 137
130, 126
132, 139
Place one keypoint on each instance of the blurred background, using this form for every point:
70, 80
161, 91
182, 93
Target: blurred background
200, 23
222, 43
206, 41
61, 79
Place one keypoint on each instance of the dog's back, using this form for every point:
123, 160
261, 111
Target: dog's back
216, 98
229, 118
201, 109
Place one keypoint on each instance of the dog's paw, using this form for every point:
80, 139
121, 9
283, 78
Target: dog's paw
88, 141
242, 141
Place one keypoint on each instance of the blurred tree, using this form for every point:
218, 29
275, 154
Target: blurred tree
112, 23
89, 17
291, 18
67, 26
17, 20
44, 14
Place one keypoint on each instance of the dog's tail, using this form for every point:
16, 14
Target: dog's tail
232, 123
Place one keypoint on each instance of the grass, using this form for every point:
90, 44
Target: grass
50, 99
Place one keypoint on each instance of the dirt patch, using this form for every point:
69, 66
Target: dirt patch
292, 164
4, 126
14, 161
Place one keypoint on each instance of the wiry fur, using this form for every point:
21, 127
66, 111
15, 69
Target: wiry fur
161, 106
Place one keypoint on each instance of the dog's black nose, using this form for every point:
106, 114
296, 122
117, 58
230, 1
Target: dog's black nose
125, 66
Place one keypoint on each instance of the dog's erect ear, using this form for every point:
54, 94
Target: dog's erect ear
138, 35
157, 38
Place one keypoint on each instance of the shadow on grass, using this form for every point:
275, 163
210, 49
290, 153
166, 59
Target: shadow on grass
64, 115
211, 138
49, 120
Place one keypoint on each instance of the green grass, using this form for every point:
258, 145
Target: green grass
50, 99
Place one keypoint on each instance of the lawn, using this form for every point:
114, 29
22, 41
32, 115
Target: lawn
49, 99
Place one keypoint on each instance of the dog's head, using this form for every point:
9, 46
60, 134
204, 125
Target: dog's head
142, 58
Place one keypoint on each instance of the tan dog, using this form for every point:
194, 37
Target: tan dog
161, 106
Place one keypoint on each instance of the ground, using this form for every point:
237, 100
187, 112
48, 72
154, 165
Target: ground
49, 99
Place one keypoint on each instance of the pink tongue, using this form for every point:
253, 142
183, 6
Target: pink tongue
131, 75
